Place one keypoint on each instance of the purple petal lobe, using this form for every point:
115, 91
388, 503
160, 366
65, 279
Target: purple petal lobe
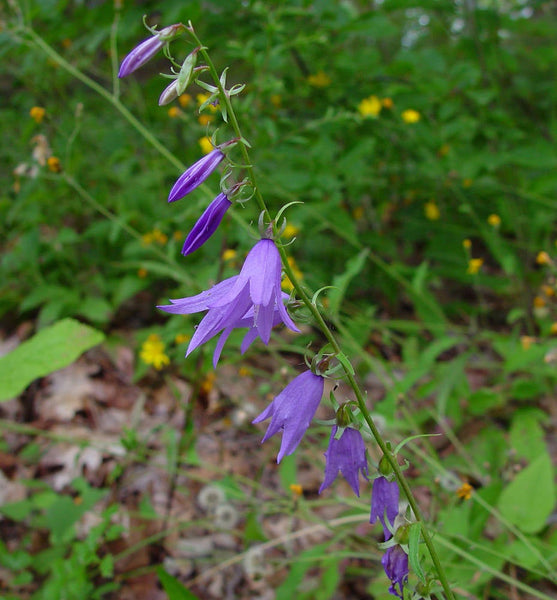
395, 563
207, 224
384, 501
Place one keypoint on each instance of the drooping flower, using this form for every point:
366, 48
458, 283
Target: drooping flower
207, 224
347, 455
195, 175
384, 501
252, 299
144, 51
395, 563
292, 411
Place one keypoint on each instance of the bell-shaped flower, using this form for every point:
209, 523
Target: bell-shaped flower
195, 175
251, 299
384, 502
395, 563
144, 51
347, 455
207, 224
292, 411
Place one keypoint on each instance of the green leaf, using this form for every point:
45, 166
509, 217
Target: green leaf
174, 589
529, 499
53, 348
414, 551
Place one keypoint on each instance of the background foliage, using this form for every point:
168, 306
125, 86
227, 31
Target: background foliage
420, 137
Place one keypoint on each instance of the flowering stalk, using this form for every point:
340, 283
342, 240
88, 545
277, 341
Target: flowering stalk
224, 100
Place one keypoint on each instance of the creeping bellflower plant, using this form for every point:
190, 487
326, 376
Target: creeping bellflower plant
253, 300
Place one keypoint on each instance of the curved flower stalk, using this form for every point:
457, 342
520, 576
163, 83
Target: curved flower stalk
207, 224
292, 411
145, 51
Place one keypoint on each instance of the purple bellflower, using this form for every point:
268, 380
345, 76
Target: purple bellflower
395, 563
207, 224
292, 411
384, 500
195, 175
347, 455
144, 51
251, 299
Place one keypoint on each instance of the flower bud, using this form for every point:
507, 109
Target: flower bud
385, 467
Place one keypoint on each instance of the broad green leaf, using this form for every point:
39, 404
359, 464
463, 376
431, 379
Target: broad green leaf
529, 498
174, 589
53, 348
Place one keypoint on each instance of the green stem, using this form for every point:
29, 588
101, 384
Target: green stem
320, 321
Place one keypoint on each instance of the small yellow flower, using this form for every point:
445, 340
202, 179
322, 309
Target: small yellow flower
290, 231
539, 302
177, 236
494, 220
276, 100
37, 113
526, 341
296, 489
66, 43
174, 112
465, 491
229, 254
244, 372
553, 329
207, 384
411, 116
319, 80
181, 338
286, 283
205, 144
474, 265
142, 273
548, 290
543, 258
444, 150
358, 213
53, 163
387, 103
205, 119
152, 352
370, 107
431, 211
467, 182
202, 98
184, 100
467, 244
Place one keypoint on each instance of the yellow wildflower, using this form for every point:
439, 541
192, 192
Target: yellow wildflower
229, 254
319, 80
152, 352
370, 107
467, 182
543, 258
53, 163
411, 116
548, 290
539, 302
553, 329
142, 273
206, 145
181, 338
205, 119
202, 98
474, 265
276, 100
467, 244
66, 43
177, 236
37, 113
526, 341
358, 213
431, 211
184, 100
290, 231
286, 283
494, 220
387, 103
244, 372
174, 112
465, 491
296, 489
444, 150
207, 384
